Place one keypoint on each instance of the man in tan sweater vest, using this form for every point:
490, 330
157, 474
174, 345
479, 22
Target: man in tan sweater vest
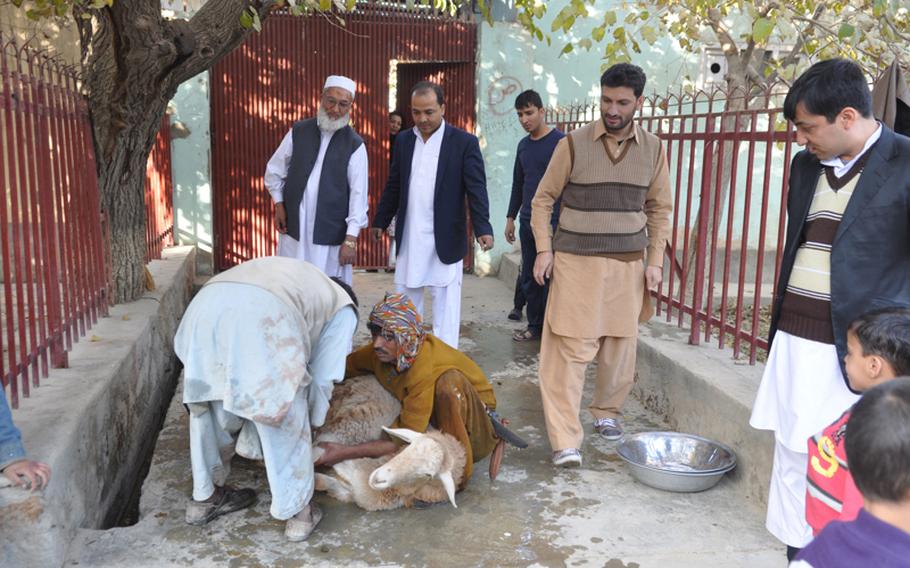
605, 255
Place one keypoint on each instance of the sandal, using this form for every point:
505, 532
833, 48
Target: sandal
526, 334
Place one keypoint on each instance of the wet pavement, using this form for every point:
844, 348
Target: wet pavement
532, 515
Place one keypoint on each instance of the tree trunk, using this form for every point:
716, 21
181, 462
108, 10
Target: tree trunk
133, 61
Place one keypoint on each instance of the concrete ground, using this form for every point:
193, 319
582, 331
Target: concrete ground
533, 515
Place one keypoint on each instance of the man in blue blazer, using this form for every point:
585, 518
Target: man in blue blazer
847, 250
435, 166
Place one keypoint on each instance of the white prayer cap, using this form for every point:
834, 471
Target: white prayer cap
341, 82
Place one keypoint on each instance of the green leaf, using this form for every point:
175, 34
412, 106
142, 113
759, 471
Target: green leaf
568, 48
610, 18
598, 33
879, 8
246, 20
845, 31
649, 34
585, 43
762, 29
257, 23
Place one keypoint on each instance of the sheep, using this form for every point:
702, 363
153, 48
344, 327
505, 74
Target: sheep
428, 469
359, 408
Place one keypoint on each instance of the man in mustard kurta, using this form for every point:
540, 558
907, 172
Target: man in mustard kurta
436, 384
606, 253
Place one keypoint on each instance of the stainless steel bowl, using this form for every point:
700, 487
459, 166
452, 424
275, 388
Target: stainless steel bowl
676, 462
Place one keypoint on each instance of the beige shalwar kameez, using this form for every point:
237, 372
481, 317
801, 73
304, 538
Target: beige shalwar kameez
595, 302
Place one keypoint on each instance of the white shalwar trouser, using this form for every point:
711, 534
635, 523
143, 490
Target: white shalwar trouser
446, 308
286, 449
801, 392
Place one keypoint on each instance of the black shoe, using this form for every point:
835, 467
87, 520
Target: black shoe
199, 513
515, 315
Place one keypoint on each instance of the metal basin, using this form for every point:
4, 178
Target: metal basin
676, 462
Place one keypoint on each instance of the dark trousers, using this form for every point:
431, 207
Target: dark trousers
518, 300
535, 294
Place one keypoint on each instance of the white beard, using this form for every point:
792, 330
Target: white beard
327, 125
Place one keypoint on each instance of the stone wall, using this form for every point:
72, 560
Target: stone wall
95, 422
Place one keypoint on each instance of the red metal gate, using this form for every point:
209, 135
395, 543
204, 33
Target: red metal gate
276, 78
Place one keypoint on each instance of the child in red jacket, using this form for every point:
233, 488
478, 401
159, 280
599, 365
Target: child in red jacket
878, 350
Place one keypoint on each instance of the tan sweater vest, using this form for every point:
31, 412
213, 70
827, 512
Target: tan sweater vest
602, 211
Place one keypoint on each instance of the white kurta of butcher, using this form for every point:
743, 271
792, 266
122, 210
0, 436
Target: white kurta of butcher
258, 374
323, 256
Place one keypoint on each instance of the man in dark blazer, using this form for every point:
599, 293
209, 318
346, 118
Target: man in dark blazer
435, 166
847, 250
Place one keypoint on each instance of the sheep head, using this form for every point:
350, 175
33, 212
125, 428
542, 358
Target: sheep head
423, 460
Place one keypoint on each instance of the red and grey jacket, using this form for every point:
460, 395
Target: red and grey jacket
831, 494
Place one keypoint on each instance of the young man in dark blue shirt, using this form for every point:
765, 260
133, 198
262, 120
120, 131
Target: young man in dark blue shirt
531, 160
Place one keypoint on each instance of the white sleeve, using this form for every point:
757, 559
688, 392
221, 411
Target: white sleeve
326, 364
276, 171
800, 564
358, 181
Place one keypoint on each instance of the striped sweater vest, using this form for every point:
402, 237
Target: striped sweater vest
806, 306
602, 211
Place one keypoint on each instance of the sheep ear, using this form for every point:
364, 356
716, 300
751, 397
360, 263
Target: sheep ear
446, 478
403, 433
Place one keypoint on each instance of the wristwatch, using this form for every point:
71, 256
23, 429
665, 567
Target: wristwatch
350, 244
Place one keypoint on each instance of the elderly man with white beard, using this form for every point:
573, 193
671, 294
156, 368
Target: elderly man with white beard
318, 180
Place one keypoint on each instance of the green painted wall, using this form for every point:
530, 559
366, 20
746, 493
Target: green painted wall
509, 61
191, 167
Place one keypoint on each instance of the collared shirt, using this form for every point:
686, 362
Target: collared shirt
841, 167
418, 263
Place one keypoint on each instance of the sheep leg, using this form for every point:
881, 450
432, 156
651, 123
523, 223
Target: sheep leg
336, 488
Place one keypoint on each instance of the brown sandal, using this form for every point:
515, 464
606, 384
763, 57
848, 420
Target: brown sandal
526, 334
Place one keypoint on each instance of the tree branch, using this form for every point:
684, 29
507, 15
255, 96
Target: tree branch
894, 29
793, 56
216, 30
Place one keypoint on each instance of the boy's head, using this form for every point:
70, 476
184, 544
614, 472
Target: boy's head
878, 442
531, 113
878, 347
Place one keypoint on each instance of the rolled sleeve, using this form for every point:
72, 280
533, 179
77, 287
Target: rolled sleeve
549, 190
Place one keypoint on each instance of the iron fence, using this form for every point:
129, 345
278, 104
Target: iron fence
729, 156
159, 194
54, 248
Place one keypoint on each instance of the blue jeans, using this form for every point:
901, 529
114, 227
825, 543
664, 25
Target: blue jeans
535, 294
11, 449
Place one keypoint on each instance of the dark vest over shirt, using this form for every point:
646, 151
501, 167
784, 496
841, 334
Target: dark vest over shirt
334, 191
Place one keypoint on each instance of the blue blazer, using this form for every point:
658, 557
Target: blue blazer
460, 175
870, 259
